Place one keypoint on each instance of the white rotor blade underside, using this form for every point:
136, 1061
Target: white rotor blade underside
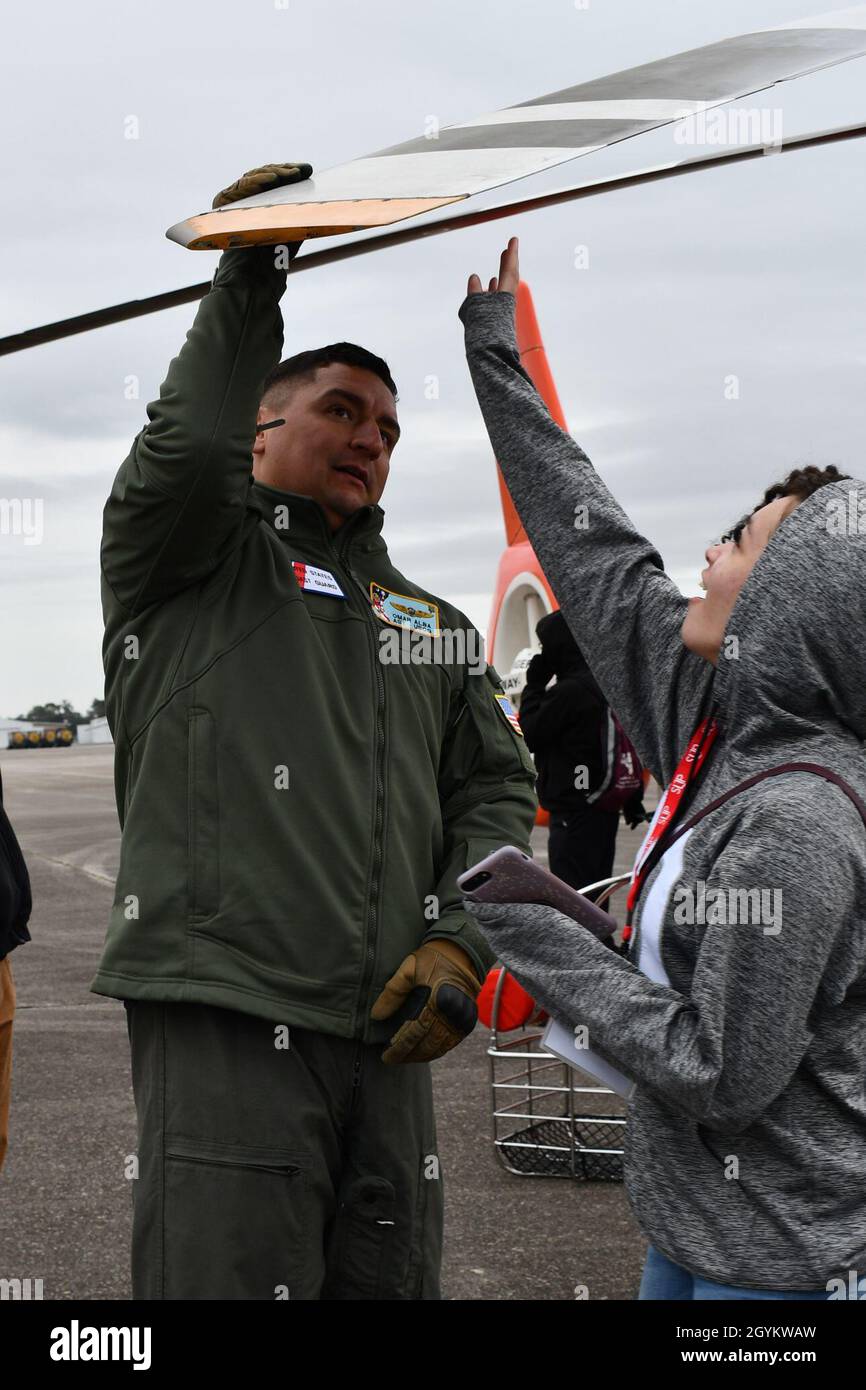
490, 150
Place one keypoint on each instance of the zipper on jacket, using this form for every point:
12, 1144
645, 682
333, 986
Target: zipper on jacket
379, 816
356, 1076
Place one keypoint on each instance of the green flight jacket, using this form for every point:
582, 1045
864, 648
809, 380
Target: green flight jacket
295, 809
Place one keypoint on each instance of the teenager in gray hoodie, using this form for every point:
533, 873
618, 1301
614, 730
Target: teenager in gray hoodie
740, 1008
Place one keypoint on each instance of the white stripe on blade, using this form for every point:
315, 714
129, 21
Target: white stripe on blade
650, 109
419, 169
433, 174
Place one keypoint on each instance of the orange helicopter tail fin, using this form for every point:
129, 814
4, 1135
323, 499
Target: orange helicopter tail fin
534, 361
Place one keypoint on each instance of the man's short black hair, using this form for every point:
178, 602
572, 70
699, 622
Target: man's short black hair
303, 365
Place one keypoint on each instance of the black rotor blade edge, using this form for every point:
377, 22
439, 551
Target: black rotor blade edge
137, 308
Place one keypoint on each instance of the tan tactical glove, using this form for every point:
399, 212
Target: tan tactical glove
260, 180
434, 990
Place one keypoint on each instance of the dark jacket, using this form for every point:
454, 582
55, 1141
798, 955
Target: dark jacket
15, 899
562, 725
295, 811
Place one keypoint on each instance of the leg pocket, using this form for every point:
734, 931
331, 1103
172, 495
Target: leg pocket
236, 1221
361, 1243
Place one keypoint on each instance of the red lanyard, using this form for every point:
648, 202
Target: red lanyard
669, 807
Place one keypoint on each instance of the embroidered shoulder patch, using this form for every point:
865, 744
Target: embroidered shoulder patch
509, 712
403, 610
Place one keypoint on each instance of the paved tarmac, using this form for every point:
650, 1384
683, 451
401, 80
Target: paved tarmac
65, 1202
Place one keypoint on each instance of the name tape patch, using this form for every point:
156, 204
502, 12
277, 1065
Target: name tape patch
315, 580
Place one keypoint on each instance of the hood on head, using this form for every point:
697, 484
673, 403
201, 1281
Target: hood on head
793, 665
559, 647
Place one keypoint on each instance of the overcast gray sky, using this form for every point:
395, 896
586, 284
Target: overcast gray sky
754, 271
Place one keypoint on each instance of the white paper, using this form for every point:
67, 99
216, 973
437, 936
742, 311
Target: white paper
560, 1040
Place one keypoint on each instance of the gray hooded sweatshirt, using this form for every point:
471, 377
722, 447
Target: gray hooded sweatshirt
755, 1049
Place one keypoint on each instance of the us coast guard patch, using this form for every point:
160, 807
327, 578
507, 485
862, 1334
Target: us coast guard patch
509, 712
315, 580
404, 611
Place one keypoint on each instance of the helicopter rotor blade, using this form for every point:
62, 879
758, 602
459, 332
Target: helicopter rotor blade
136, 308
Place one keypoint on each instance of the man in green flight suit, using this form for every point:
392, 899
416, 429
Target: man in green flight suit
298, 791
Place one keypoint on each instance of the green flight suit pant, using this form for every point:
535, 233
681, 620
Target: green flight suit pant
273, 1172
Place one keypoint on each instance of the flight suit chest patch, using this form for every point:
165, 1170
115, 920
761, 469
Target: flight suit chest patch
402, 610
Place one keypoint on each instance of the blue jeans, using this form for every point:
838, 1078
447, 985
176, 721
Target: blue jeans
662, 1279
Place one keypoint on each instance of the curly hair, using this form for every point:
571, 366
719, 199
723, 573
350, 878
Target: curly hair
800, 482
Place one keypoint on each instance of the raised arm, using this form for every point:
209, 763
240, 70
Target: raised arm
622, 608
177, 503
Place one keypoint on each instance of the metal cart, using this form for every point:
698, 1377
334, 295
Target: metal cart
550, 1120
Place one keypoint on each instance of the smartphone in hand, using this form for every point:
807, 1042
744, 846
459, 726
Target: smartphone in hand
510, 876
